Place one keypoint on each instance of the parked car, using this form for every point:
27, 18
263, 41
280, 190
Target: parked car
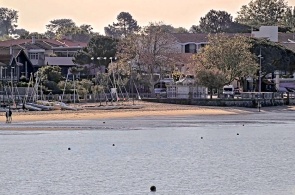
162, 92
229, 90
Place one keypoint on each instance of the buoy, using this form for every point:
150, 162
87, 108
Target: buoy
103, 122
69, 148
201, 137
243, 124
153, 188
113, 144
238, 134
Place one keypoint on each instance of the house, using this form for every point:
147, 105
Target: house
10, 68
189, 43
268, 32
42, 52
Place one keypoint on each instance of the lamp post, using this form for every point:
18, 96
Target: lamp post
113, 72
114, 90
100, 82
12, 84
131, 81
259, 87
2, 84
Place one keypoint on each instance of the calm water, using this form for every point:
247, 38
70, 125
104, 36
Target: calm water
166, 152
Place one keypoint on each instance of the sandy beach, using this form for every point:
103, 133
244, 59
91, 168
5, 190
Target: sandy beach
73, 120
140, 109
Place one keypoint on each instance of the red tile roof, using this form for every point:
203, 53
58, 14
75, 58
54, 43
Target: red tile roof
42, 43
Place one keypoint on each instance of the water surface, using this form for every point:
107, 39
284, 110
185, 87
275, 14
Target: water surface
240, 154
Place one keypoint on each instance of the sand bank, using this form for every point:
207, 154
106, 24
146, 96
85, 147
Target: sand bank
146, 109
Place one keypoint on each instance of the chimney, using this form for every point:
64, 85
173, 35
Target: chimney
33, 40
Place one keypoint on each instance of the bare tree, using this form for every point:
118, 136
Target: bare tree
153, 51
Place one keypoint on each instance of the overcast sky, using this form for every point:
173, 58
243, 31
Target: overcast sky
35, 14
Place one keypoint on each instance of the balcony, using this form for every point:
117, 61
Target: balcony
59, 61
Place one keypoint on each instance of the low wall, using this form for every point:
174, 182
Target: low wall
251, 103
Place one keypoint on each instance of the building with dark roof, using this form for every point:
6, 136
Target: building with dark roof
42, 52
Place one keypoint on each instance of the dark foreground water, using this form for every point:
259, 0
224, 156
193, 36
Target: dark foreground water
247, 154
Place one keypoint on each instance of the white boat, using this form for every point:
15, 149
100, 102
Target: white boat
66, 107
53, 105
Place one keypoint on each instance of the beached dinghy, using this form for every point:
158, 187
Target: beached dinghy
42, 107
32, 108
53, 105
66, 107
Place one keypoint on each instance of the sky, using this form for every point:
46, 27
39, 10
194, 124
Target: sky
35, 14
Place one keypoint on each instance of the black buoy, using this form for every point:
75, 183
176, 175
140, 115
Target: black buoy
201, 137
153, 188
243, 124
69, 148
238, 134
113, 144
103, 122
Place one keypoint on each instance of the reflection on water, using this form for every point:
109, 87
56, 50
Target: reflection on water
235, 156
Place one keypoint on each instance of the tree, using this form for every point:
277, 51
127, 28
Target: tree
36, 35
5, 38
50, 76
21, 33
125, 25
262, 12
195, 29
97, 52
59, 25
60, 28
49, 34
181, 30
212, 78
275, 56
8, 20
86, 29
82, 33
49, 73
215, 21
224, 60
152, 52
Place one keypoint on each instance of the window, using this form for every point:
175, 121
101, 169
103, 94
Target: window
34, 56
190, 48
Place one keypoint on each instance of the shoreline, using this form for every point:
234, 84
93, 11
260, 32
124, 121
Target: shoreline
69, 120
142, 109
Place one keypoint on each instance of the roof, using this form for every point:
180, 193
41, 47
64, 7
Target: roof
191, 37
203, 37
200, 37
285, 37
5, 59
289, 45
41, 43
